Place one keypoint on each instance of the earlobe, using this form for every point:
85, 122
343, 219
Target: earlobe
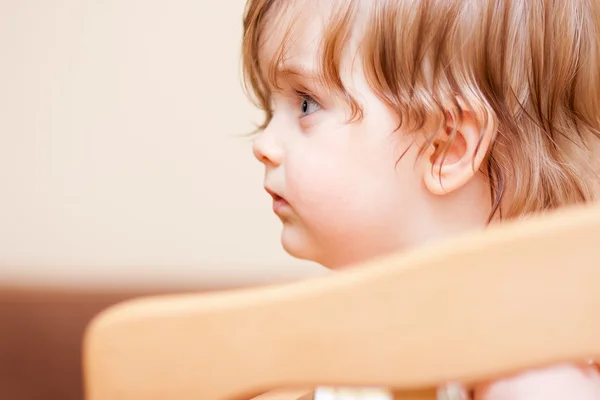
456, 153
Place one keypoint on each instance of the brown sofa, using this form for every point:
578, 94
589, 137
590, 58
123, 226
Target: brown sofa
41, 333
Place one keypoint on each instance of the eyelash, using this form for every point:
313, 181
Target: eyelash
308, 98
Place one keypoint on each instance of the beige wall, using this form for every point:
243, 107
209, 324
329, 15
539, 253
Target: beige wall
121, 158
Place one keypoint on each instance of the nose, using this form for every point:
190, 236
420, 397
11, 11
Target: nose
267, 148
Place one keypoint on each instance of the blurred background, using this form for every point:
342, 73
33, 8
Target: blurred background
123, 147
124, 170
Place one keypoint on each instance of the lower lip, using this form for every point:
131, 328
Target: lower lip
280, 205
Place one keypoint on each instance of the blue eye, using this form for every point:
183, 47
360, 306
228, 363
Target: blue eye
308, 105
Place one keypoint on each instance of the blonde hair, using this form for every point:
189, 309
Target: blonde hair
530, 68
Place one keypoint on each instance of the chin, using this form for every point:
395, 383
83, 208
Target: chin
300, 247
297, 244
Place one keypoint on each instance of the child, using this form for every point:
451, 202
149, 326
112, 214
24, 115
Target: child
392, 123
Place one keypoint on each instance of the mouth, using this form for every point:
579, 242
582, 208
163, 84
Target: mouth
280, 205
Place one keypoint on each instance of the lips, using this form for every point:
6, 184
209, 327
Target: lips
280, 205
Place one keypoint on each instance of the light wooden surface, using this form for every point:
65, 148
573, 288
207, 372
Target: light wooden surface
478, 307
286, 394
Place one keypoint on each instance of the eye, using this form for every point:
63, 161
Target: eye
308, 105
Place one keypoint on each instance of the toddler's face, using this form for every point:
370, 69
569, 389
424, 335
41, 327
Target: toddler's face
338, 186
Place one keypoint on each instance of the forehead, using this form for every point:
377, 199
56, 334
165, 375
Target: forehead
293, 34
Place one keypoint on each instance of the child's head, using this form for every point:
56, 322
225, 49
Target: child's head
393, 122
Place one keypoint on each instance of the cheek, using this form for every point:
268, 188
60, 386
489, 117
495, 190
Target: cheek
342, 190
316, 183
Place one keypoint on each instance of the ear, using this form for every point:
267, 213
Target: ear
456, 153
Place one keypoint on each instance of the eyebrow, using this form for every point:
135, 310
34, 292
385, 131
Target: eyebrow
298, 71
